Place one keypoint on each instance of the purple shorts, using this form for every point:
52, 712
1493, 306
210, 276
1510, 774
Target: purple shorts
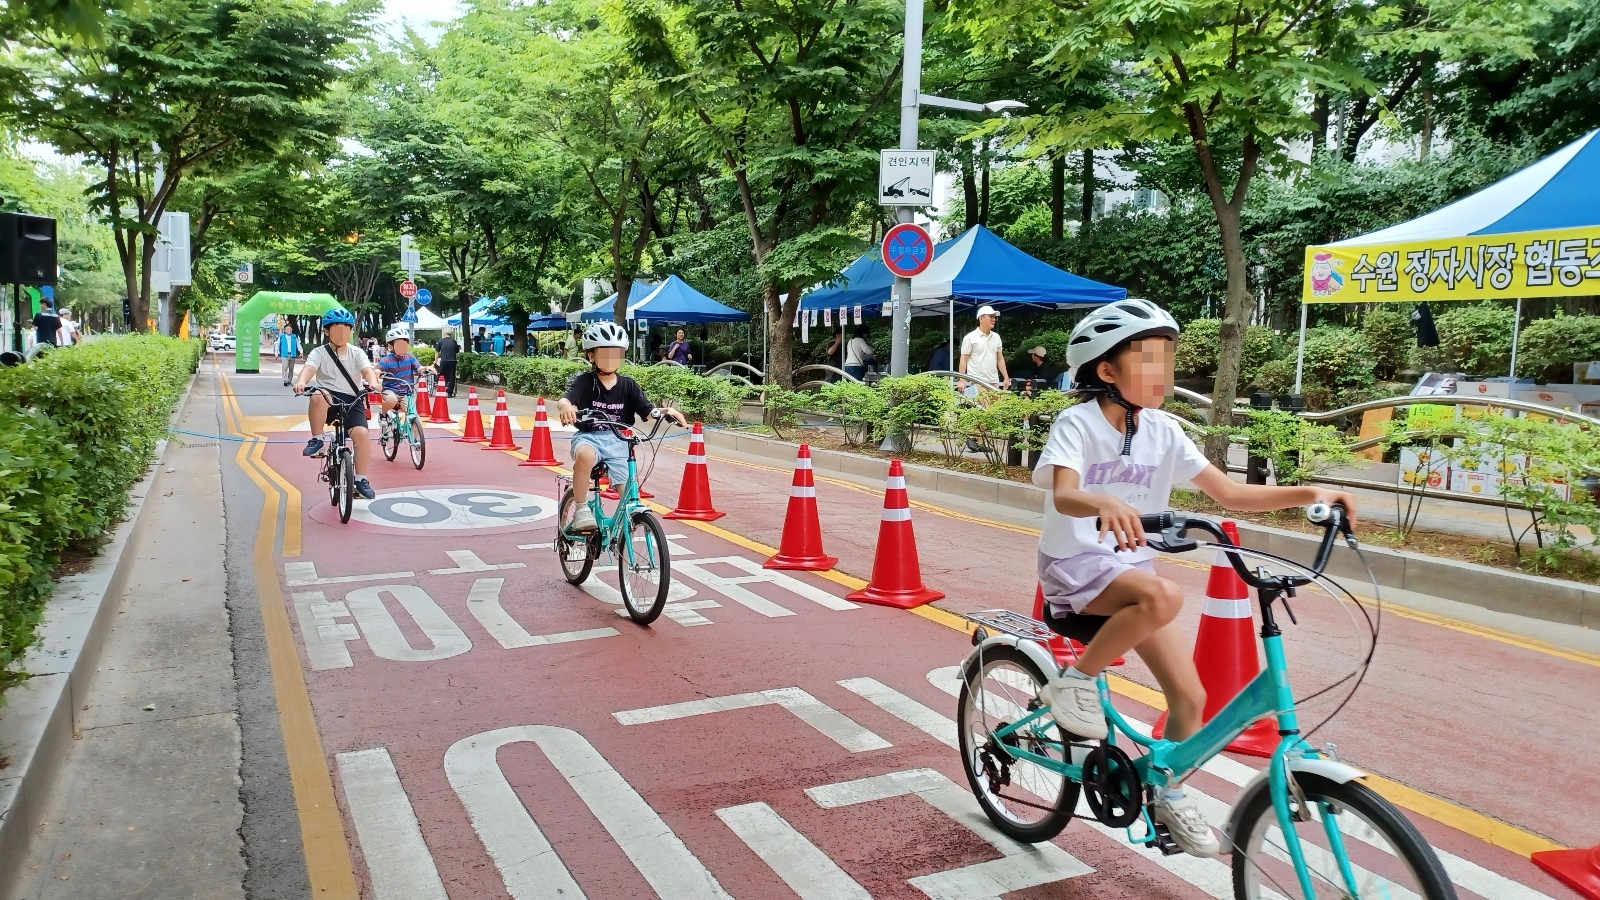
1069, 584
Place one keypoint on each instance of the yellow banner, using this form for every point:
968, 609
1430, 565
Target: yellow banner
1560, 263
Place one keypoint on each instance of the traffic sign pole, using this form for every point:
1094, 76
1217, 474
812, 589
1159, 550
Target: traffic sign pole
910, 90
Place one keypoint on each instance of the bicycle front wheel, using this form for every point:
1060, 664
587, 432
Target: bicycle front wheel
644, 573
390, 438
1024, 799
347, 485
1355, 844
419, 446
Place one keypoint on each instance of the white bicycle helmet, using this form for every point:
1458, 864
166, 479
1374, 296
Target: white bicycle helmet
397, 333
604, 334
1104, 330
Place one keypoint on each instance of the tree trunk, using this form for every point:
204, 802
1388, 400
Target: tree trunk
1086, 212
969, 192
1427, 122
1058, 197
983, 194
1226, 386
1321, 110
519, 331
780, 336
619, 309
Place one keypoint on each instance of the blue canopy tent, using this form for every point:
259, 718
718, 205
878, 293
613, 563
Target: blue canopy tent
601, 310
675, 301
551, 322
975, 268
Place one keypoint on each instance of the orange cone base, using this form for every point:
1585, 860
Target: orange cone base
501, 445
470, 440
1577, 869
610, 493
805, 563
441, 413
548, 461
1260, 739
897, 599
698, 515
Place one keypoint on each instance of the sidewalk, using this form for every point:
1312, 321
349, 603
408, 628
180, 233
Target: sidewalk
147, 801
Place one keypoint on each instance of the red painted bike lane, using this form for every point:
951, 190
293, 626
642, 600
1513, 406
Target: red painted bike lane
494, 731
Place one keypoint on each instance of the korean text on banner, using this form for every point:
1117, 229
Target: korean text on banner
1559, 263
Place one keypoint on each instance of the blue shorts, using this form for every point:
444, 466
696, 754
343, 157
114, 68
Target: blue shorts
612, 450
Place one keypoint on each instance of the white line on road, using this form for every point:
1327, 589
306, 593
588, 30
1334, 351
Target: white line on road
527, 862
466, 562
324, 638
730, 586
304, 574
801, 864
843, 730
384, 635
891, 701
483, 600
397, 858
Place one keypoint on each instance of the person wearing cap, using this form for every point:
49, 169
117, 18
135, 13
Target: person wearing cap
1042, 370
68, 335
982, 355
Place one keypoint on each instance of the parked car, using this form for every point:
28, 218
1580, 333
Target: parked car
223, 342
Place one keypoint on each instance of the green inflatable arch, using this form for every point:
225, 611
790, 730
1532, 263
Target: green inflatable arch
247, 321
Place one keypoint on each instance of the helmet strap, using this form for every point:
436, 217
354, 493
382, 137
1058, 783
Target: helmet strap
1129, 422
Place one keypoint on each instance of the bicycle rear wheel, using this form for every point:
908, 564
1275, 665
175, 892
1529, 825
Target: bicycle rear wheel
1023, 799
347, 484
576, 553
1384, 855
419, 446
389, 437
644, 573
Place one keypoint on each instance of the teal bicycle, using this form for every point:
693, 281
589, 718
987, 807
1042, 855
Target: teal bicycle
1306, 827
403, 424
632, 533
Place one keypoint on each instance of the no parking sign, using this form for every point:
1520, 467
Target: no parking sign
907, 249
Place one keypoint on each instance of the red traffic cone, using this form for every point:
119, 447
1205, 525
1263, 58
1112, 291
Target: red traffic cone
501, 439
896, 574
694, 497
1065, 650
541, 453
801, 545
472, 425
1225, 652
373, 400
1577, 869
424, 408
610, 492
441, 406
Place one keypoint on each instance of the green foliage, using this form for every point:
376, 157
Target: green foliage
918, 401
1549, 347
425, 355
1473, 338
859, 408
1298, 449
1200, 346
1275, 377
1338, 367
783, 408
1550, 454
1054, 341
77, 428
712, 400
1392, 338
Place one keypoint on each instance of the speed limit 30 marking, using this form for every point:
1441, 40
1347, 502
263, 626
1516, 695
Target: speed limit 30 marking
456, 509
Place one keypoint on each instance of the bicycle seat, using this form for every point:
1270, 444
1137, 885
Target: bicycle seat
1079, 628
599, 472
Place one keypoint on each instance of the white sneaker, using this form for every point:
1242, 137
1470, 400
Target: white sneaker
583, 519
1186, 825
1075, 705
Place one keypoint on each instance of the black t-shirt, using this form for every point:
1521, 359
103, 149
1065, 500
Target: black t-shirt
48, 324
448, 348
624, 401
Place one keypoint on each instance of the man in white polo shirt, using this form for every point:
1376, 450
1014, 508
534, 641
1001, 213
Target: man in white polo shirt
982, 357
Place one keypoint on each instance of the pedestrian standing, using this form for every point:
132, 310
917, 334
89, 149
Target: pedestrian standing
480, 341
46, 323
497, 344
288, 350
68, 335
573, 346
446, 361
1042, 369
982, 357
858, 353
678, 350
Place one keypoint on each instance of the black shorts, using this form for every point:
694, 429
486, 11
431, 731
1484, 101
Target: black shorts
354, 415
1081, 627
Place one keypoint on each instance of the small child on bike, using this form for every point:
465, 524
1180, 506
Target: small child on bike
399, 367
343, 370
1114, 456
603, 390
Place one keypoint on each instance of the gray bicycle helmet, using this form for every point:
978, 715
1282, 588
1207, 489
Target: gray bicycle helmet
605, 334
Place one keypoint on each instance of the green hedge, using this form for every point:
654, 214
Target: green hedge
711, 400
77, 428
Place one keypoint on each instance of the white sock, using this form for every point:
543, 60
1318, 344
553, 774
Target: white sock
1072, 672
1174, 792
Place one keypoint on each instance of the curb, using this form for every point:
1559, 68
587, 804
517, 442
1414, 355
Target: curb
40, 718
1532, 596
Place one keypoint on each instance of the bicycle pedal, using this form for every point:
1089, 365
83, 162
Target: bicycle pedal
1164, 842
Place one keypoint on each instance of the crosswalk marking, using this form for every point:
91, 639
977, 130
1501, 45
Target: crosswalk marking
397, 858
837, 726
801, 864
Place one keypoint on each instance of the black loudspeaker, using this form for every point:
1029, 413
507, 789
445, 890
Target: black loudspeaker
27, 249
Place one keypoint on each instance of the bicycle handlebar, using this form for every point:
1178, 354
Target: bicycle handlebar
621, 429
1173, 528
359, 398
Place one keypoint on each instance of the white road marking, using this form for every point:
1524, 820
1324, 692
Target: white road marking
484, 602
684, 613
384, 635
923, 718
801, 864
304, 574
527, 862
730, 586
837, 726
466, 561
1020, 866
596, 587
324, 638
547, 545
398, 860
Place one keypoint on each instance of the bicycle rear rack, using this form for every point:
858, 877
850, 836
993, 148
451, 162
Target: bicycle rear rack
1013, 623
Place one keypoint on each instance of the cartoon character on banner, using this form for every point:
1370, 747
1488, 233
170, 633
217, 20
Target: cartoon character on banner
1325, 281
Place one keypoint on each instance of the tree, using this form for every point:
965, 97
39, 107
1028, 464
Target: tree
1215, 73
179, 87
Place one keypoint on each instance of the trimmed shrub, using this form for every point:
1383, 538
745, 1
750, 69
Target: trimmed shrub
1549, 347
1275, 377
1338, 367
1200, 346
1392, 337
425, 355
1475, 339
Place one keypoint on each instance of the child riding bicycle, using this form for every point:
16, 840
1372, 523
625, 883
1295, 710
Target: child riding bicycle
343, 370
616, 396
399, 367
1113, 456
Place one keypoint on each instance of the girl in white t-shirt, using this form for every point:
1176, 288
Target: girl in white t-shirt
1113, 456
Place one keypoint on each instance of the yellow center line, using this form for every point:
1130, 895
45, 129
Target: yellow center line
322, 837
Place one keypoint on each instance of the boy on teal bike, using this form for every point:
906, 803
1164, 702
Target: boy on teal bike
399, 368
1113, 456
603, 390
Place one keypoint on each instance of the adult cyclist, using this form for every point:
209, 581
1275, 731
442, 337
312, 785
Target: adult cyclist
343, 370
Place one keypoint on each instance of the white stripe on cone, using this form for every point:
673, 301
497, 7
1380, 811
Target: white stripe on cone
803, 492
897, 481
803, 462
697, 459
1219, 608
897, 515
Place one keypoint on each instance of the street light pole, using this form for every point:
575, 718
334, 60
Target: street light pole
910, 107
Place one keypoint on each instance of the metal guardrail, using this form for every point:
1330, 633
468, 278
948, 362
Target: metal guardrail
1398, 402
733, 362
